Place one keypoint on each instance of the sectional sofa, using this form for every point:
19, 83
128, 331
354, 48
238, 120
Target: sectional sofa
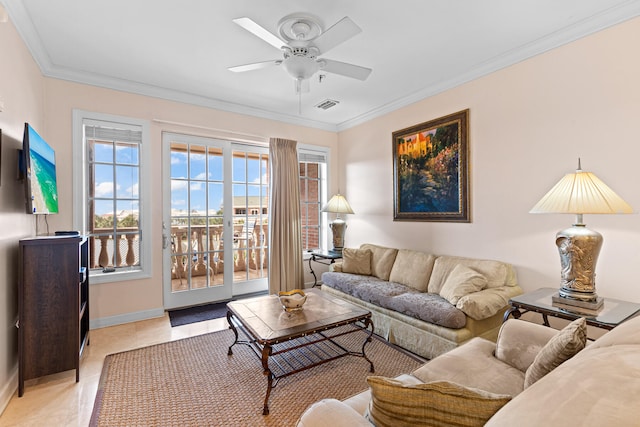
533, 376
425, 303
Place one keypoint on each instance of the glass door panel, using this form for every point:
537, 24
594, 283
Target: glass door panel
250, 205
196, 221
211, 253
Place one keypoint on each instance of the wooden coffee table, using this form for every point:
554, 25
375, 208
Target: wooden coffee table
291, 342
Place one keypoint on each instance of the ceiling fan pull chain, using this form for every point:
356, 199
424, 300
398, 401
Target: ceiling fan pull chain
299, 90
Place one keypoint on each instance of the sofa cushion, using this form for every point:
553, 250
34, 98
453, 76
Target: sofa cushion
462, 281
366, 288
381, 260
487, 302
356, 261
568, 342
438, 403
519, 342
473, 365
412, 268
331, 412
428, 307
496, 272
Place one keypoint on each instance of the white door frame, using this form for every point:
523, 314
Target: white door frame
227, 290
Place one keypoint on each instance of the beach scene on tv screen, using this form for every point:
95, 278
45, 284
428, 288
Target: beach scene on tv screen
44, 190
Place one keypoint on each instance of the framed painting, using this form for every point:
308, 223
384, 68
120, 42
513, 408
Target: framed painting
430, 170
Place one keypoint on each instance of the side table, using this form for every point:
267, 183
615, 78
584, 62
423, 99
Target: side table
322, 257
613, 313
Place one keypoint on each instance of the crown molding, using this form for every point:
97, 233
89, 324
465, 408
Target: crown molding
138, 88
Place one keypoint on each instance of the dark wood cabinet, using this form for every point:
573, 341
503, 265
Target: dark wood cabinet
53, 300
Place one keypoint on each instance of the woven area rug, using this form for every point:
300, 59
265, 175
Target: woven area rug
193, 382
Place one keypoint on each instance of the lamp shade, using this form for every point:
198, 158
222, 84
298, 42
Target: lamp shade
581, 193
338, 204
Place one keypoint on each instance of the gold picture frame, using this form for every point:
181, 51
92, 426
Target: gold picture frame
430, 170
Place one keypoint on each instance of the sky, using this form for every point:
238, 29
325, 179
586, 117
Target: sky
124, 173
194, 178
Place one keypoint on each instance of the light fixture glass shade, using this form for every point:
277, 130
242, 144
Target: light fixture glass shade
581, 193
338, 204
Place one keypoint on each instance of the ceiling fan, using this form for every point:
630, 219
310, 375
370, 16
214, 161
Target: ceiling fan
302, 41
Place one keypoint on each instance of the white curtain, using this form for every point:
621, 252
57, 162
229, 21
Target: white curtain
285, 236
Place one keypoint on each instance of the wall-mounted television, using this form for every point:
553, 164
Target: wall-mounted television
41, 188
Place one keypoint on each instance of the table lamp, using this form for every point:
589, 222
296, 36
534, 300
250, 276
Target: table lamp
338, 205
580, 193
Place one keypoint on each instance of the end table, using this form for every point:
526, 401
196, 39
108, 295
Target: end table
613, 313
322, 257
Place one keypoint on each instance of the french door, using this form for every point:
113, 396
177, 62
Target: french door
214, 218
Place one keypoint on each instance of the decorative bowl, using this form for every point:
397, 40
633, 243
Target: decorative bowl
292, 300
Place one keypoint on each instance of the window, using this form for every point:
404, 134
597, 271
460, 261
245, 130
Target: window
111, 191
313, 191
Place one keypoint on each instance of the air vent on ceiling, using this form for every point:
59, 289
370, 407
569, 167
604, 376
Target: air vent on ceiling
327, 103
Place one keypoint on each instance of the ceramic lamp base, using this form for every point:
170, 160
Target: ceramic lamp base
338, 228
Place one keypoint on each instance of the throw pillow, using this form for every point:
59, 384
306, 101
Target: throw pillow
460, 282
412, 268
381, 260
356, 261
563, 346
439, 403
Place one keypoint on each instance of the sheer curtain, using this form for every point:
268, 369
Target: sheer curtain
285, 236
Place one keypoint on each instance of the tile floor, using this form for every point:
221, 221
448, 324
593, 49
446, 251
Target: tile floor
57, 400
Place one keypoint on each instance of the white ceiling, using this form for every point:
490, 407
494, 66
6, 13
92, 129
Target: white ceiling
180, 50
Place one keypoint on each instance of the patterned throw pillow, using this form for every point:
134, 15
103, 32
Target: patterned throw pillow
439, 403
567, 343
356, 261
460, 282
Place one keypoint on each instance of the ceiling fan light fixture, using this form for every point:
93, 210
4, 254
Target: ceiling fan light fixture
300, 67
306, 40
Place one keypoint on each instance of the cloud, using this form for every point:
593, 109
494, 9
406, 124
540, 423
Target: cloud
178, 158
105, 189
133, 190
179, 185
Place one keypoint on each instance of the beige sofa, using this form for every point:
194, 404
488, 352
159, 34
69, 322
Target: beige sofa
425, 303
599, 386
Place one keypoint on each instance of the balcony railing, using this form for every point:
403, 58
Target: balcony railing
206, 245
123, 252
196, 251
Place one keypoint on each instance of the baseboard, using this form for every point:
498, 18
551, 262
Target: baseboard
120, 319
8, 390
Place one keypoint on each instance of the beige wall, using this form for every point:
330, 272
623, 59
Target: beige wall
21, 92
529, 123
122, 301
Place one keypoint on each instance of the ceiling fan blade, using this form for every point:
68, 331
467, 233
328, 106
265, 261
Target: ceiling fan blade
344, 69
341, 31
254, 66
259, 31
